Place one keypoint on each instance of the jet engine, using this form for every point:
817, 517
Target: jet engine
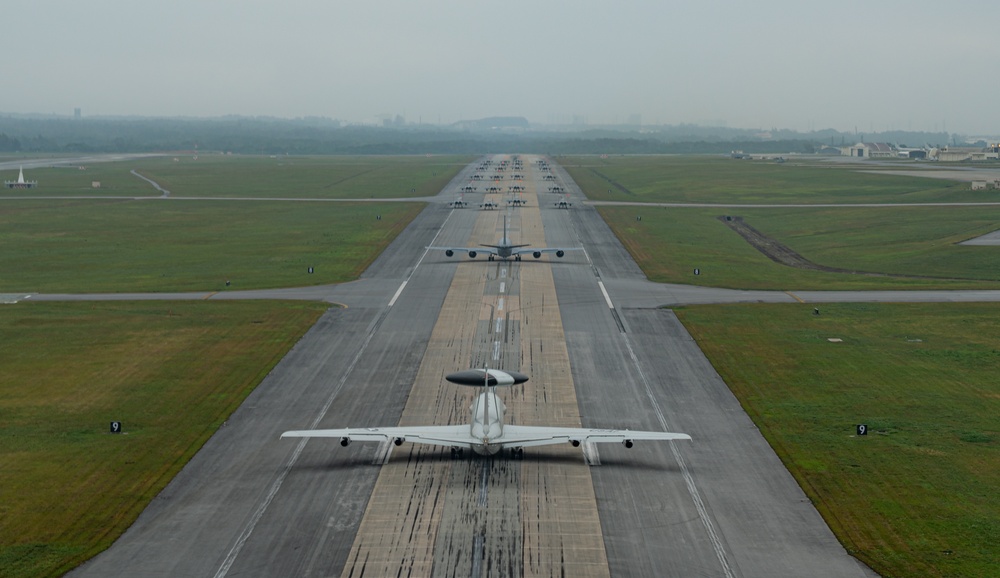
399, 441
627, 443
345, 441
472, 254
576, 443
449, 253
536, 254
560, 254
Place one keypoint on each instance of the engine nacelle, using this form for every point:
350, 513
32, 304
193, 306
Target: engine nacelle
560, 254
472, 254
449, 253
345, 441
536, 254
628, 443
576, 443
399, 441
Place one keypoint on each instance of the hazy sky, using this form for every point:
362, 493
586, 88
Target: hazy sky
843, 64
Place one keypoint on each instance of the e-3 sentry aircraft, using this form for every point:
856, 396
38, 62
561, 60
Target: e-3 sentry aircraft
505, 249
486, 434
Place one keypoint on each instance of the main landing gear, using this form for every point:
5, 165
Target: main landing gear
517, 453
456, 453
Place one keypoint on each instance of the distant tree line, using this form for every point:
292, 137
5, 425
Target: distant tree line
249, 135
8, 144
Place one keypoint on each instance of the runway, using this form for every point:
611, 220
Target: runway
598, 355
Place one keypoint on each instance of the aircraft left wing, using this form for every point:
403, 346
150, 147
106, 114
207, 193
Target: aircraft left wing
539, 250
527, 436
456, 436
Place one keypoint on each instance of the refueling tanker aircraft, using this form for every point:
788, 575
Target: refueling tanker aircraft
504, 249
486, 434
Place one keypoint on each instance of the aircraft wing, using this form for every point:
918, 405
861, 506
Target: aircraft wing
527, 436
456, 436
484, 249
558, 250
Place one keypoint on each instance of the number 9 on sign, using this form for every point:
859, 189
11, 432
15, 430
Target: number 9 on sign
862, 429
116, 427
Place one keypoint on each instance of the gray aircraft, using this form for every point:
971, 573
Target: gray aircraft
486, 434
505, 249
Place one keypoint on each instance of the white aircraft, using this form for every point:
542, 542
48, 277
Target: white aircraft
486, 434
505, 249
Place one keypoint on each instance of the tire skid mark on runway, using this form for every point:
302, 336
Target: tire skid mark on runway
540, 515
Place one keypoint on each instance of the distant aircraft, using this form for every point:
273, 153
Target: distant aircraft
487, 205
486, 433
564, 203
505, 249
459, 202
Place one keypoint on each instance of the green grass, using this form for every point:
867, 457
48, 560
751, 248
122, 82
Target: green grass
714, 179
171, 245
917, 497
247, 176
669, 243
171, 372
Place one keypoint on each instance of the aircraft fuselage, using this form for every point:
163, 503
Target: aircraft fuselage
487, 423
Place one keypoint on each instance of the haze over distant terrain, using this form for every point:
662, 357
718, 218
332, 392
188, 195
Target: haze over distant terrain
915, 65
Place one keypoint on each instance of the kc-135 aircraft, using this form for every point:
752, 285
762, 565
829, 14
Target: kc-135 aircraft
486, 433
505, 249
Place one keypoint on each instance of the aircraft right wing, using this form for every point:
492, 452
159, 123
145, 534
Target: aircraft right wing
527, 436
456, 436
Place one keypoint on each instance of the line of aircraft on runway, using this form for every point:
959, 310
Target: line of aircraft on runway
486, 434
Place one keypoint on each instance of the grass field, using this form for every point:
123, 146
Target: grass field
86, 246
916, 497
669, 243
330, 177
171, 372
716, 179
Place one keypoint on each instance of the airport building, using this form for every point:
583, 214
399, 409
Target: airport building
959, 154
872, 150
20, 183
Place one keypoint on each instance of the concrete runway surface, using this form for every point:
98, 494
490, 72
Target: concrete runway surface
600, 353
